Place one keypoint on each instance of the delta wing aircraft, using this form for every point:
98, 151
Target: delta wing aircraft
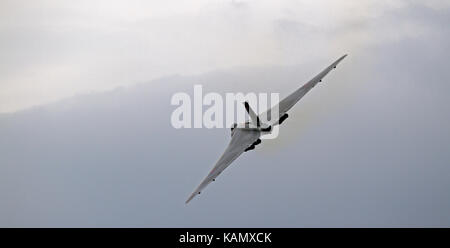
245, 136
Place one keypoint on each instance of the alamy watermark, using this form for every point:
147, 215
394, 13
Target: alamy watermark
212, 110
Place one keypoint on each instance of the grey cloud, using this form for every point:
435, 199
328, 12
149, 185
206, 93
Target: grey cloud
373, 141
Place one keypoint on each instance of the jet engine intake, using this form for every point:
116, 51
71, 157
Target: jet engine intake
283, 118
257, 142
250, 148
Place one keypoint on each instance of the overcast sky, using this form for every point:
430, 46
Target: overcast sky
366, 148
55, 49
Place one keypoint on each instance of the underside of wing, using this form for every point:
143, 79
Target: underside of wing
242, 139
288, 102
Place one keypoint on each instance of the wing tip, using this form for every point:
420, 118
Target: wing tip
339, 60
191, 197
188, 200
343, 57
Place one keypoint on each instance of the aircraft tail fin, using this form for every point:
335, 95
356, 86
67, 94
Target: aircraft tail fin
253, 116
